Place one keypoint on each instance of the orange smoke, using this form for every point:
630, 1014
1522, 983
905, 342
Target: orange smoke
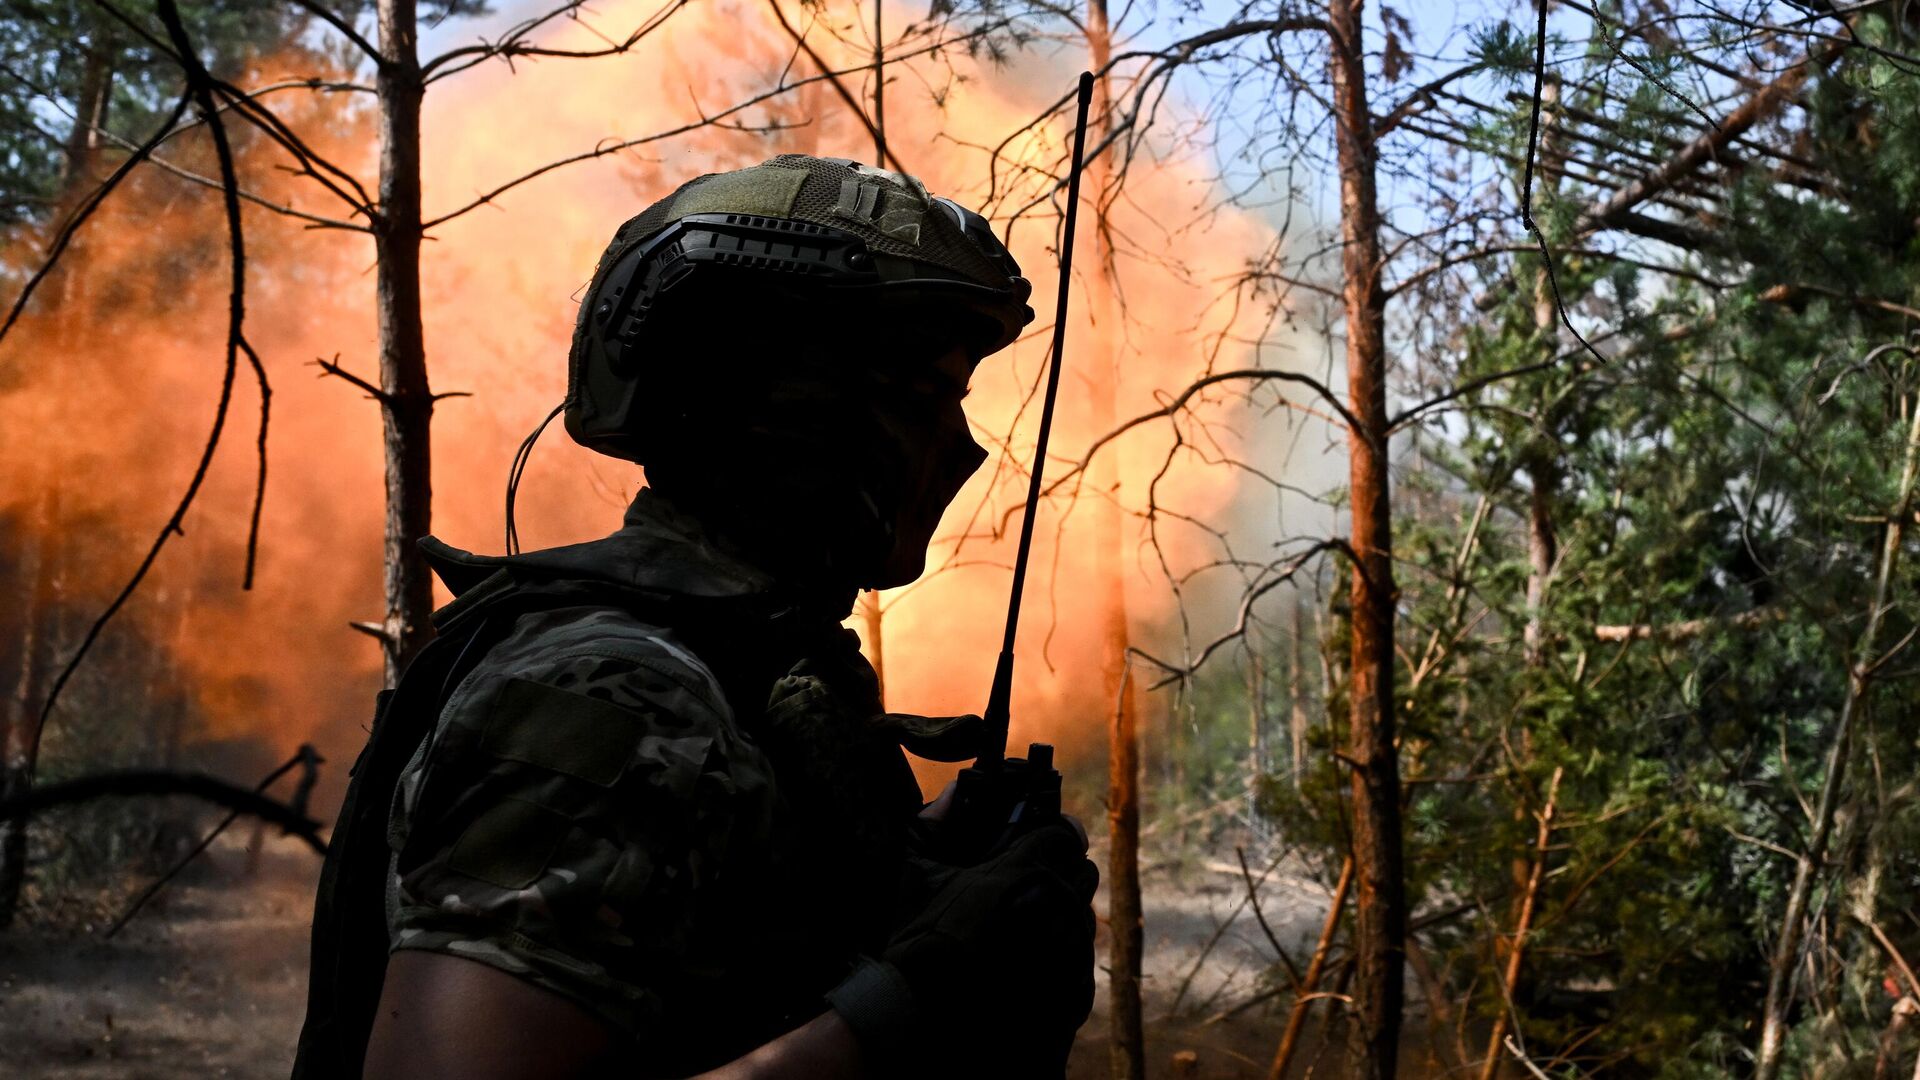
114, 385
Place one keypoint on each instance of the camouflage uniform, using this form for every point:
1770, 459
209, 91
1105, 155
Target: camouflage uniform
640, 773
599, 812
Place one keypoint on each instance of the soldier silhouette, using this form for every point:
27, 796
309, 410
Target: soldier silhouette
637, 810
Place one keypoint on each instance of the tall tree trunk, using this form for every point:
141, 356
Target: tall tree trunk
405, 399
89, 115
20, 722
879, 91
1256, 718
1297, 696
1542, 469
1786, 952
1543, 541
20, 725
1127, 1051
1380, 895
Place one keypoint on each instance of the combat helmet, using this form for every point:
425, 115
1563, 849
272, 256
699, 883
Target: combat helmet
794, 238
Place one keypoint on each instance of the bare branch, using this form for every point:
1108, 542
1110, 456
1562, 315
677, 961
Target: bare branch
1689, 628
839, 87
513, 42
306, 757
332, 367
1175, 673
1476, 254
1179, 402
619, 145
199, 85
1707, 147
165, 782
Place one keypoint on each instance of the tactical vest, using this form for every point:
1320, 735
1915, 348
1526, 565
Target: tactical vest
747, 642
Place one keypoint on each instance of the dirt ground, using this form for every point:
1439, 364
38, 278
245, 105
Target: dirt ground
209, 980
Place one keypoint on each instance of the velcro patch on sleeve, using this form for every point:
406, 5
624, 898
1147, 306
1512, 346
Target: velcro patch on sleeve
583, 737
509, 844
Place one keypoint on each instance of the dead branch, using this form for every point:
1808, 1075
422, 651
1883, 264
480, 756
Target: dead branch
1421, 96
315, 221
1708, 146
1526, 188
839, 87
154, 782
260, 453
1253, 901
1522, 925
618, 145
309, 761
199, 89
1309, 984
514, 42
1525, 1062
1690, 628
332, 367
1477, 254
1893, 953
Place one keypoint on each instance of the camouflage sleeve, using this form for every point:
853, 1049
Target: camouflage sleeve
585, 783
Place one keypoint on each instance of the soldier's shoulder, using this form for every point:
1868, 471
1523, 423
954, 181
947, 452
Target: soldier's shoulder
550, 659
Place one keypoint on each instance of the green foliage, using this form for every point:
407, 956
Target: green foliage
1719, 482
1501, 48
63, 58
66, 64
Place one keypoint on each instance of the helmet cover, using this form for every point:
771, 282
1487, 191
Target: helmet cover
757, 250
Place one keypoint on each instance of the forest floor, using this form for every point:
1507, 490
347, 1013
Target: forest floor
208, 981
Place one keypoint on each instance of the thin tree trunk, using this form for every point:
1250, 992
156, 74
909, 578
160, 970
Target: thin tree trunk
1127, 1052
1126, 924
879, 97
1543, 544
1380, 905
20, 720
1542, 470
405, 399
89, 115
1256, 725
1542, 547
20, 736
1786, 953
1297, 697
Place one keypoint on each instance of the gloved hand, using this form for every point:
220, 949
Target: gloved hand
991, 971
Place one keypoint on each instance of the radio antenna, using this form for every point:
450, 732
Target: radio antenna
1000, 698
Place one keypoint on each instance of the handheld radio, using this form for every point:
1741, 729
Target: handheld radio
997, 793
